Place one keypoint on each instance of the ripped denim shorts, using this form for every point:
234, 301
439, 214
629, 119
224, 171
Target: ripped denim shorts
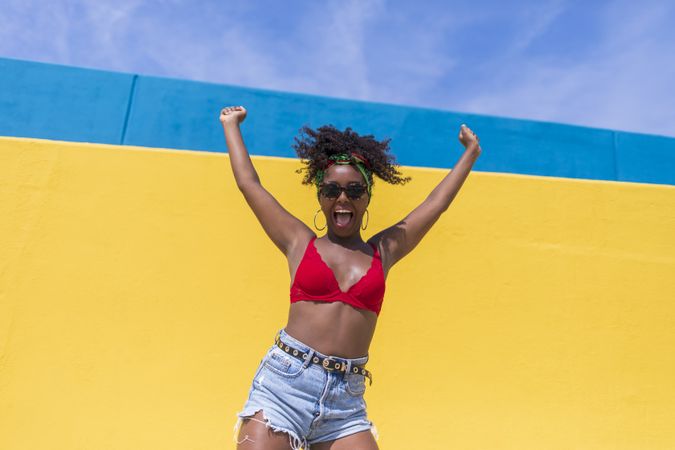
304, 400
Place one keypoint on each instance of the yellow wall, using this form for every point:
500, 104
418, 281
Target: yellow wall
138, 293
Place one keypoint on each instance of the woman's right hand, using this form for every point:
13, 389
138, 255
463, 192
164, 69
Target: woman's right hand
232, 115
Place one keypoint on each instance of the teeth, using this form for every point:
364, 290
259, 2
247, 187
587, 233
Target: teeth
343, 217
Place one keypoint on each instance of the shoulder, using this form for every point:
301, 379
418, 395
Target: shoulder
298, 249
302, 239
377, 242
379, 239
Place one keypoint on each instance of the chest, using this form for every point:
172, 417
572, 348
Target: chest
343, 268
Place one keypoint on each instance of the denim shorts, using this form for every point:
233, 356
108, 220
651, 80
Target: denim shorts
305, 400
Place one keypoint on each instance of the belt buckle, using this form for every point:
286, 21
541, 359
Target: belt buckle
326, 364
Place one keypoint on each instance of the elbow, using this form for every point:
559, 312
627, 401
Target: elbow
445, 204
247, 184
242, 186
245, 187
439, 205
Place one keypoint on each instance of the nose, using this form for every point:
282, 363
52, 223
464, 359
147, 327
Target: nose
343, 193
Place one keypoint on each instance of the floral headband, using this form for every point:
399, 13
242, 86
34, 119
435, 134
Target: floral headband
344, 159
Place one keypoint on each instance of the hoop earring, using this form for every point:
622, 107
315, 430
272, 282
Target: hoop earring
317, 212
363, 228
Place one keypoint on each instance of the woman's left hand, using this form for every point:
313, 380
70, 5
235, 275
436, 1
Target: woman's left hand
469, 139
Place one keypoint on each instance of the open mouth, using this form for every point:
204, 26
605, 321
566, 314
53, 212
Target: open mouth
343, 218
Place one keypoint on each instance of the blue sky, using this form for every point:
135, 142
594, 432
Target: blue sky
607, 64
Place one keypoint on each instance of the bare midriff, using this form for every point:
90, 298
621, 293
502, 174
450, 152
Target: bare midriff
335, 329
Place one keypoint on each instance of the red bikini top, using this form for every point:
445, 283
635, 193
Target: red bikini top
315, 281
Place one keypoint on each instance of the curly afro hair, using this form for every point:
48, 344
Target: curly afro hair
314, 147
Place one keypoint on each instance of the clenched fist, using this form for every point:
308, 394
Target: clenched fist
469, 139
232, 115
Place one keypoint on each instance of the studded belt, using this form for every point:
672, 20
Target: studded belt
329, 363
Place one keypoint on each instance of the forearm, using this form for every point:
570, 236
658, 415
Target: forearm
447, 189
242, 167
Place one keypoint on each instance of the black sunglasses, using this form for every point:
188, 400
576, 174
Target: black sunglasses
333, 190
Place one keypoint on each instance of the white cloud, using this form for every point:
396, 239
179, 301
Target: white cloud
625, 83
30, 28
337, 54
534, 20
376, 50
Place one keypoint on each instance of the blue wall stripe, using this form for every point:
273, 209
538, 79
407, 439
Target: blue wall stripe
644, 157
65, 103
57, 102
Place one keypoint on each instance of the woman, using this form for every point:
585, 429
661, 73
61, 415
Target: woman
308, 390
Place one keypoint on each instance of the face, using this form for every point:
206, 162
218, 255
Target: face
344, 224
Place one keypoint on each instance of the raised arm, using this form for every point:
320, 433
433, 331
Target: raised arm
401, 238
281, 226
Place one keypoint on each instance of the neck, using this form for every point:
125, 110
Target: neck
353, 240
